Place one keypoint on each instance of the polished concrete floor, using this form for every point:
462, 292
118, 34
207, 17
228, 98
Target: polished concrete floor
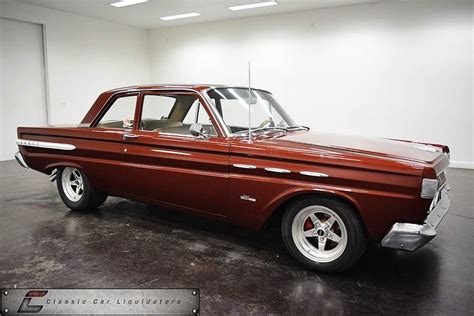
128, 244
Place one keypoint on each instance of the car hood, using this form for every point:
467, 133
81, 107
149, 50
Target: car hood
359, 144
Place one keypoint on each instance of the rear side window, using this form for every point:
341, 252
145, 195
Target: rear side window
120, 114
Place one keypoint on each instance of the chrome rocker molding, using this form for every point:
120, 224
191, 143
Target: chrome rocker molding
410, 237
48, 145
20, 160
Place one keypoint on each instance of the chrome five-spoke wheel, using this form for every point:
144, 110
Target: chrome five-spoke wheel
76, 190
73, 184
319, 233
323, 233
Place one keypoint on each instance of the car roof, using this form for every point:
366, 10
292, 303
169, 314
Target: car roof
196, 87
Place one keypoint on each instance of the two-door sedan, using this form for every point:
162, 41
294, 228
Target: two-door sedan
234, 154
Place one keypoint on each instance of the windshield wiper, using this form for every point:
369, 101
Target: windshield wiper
297, 127
263, 129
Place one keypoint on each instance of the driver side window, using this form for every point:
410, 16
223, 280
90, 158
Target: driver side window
174, 114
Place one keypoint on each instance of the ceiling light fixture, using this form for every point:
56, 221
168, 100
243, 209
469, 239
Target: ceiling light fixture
179, 16
124, 3
253, 5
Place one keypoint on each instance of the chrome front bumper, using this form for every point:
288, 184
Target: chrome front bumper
20, 160
410, 237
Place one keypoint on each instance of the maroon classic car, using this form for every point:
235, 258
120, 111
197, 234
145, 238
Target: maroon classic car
234, 154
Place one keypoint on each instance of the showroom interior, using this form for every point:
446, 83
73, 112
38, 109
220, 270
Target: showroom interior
390, 69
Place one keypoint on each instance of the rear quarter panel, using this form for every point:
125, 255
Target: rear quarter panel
97, 152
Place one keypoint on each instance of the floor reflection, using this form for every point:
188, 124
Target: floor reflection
129, 244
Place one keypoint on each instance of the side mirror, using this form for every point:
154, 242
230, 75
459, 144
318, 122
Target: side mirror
197, 131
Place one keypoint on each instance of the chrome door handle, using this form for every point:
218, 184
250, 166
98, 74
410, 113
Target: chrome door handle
129, 136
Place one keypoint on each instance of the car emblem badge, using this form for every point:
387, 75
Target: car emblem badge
247, 198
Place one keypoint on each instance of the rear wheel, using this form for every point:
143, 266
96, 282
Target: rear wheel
76, 191
323, 234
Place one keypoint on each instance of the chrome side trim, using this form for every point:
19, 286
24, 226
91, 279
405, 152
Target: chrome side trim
243, 166
174, 134
20, 160
171, 152
48, 145
277, 170
313, 174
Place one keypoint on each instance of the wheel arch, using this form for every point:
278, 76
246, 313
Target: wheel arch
275, 213
49, 168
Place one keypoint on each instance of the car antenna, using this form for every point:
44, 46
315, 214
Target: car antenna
250, 102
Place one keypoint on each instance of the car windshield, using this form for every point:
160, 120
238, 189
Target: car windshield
265, 112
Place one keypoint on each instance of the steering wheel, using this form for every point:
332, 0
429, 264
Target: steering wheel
268, 121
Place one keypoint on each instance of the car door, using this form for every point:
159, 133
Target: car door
166, 164
103, 150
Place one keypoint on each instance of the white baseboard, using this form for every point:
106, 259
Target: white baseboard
461, 164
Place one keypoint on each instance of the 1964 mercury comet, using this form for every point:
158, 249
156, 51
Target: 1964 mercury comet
191, 147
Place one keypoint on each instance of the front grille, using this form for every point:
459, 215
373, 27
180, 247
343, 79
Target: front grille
441, 179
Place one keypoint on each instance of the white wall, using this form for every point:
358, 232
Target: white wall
23, 88
84, 57
394, 69
472, 80
2, 113
401, 69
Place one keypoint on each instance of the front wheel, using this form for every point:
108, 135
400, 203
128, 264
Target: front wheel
76, 191
323, 234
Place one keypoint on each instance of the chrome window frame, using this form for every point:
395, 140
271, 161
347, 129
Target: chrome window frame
217, 116
221, 127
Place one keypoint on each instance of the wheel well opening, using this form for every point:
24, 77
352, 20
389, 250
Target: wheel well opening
275, 219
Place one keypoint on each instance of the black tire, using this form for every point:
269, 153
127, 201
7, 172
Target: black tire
344, 258
101, 197
88, 199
